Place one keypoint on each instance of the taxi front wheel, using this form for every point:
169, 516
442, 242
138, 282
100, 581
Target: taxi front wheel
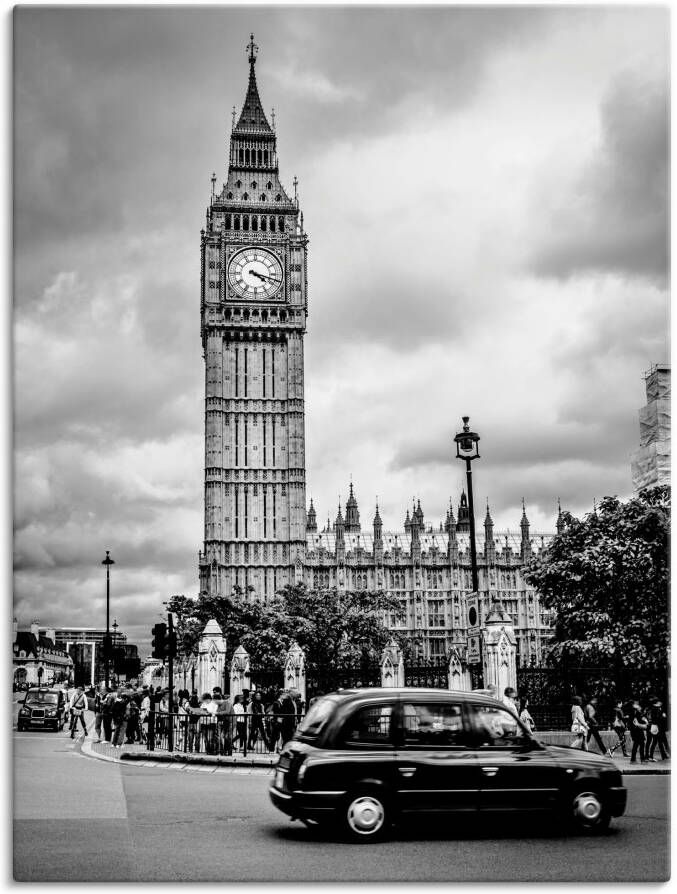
366, 816
589, 813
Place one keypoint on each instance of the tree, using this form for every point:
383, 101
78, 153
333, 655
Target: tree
607, 577
332, 628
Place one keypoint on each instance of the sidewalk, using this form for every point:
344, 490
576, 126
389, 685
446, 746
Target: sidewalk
181, 759
178, 759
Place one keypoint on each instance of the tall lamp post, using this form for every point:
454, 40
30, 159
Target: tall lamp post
106, 649
467, 448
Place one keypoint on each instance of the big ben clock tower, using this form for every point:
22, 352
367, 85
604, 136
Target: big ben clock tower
253, 318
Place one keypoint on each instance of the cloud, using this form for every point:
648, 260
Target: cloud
615, 217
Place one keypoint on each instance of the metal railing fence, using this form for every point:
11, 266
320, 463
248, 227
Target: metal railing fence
225, 734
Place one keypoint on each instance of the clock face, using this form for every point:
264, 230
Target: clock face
255, 273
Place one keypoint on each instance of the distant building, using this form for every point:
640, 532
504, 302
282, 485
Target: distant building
38, 659
651, 463
85, 646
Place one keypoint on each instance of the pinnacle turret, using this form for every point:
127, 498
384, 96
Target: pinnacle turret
252, 118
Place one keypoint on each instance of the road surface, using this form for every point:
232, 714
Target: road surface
81, 819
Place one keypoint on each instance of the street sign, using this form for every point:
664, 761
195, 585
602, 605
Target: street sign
474, 655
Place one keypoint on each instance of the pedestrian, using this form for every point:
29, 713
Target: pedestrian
224, 722
120, 716
194, 712
620, 727
240, 723
288, 717
509, 699
144, 714
78, 705
593, 726
638, 727
578, 725
256, 720
107, 715
658, 724
525, 716
208, 724
99, 699
133, 733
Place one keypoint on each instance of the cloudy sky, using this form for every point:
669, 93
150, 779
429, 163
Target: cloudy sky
486, 196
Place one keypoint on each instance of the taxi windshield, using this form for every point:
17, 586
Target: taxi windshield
316, 718
42, 698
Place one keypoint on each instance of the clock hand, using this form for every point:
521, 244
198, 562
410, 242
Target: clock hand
263, 276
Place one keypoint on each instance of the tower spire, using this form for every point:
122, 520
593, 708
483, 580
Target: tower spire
252, 50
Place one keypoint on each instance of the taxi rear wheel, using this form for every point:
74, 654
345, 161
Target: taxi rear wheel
588, 812
366, 816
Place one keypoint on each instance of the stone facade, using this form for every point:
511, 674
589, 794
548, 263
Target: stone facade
651, 462
428, 568
257, 534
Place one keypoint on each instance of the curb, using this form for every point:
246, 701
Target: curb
204, 760
209, 763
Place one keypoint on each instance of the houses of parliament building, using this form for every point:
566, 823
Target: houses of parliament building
259, 533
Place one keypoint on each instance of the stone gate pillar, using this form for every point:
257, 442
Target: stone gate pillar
211, 660
392, 665
459, 677
295, 670
499, 650
240, 674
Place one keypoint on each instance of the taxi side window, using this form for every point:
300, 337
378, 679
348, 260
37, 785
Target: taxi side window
496, 727
433, 725
368, 726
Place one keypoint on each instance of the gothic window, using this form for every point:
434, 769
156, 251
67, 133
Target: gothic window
280, 223
246, 156
227, 224
254, 184
230, 195
237, 221
264, 222
255, 223
272, 224
283, 316
260, 156
263, 198
245, 221
278, 198
241, 160
265, 161
239, 182
246, 197
269, 185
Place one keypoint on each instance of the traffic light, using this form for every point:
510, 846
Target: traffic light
171, 644
159, 640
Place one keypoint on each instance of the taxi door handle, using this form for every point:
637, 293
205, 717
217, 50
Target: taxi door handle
490, 771
407, 771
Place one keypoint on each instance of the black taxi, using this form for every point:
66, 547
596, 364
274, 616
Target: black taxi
364, 757
42, 709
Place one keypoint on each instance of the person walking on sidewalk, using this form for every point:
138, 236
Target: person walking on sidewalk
638, 727
658, 724
78, 705
593, 726
120, 716
107, 715
578, 725
620, 726
99, 699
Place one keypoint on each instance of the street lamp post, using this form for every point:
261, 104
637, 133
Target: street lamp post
467, 449
107, 562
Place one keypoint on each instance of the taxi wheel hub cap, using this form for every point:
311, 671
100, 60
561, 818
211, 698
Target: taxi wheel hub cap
587, 807
366, 815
